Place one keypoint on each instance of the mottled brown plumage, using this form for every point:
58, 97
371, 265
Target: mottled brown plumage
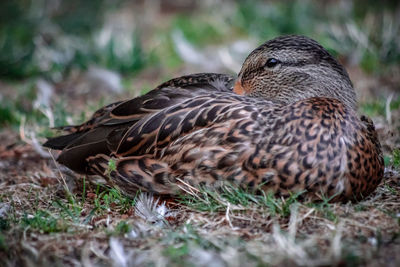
295, 128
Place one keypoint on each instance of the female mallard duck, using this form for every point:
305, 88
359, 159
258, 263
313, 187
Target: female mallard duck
287, 124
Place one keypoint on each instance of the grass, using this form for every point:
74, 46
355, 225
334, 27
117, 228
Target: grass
43, 221
378, 107
264, 20
112, 199
179, 243
396, 158
325, 209
207, 31
23, 105
236, 198
22, 56
70, 213
122, 228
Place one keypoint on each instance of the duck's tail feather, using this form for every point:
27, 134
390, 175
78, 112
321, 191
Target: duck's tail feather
75, 157
60, 142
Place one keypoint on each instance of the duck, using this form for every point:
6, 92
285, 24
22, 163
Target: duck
286, 123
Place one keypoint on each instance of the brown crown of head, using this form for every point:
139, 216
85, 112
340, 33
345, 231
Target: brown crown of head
289, 68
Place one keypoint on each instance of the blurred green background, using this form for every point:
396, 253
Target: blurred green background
54, 52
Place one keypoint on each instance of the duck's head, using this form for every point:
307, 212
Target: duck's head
290, 68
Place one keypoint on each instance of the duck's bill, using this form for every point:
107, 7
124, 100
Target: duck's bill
238, 88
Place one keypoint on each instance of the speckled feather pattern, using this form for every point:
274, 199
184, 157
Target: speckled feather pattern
315, 145
193, 130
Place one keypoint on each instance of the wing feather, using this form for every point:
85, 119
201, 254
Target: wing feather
110, 124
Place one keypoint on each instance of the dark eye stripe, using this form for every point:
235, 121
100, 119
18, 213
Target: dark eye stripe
299, 63
257, 69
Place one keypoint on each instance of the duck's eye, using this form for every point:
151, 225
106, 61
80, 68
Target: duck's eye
271, 62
